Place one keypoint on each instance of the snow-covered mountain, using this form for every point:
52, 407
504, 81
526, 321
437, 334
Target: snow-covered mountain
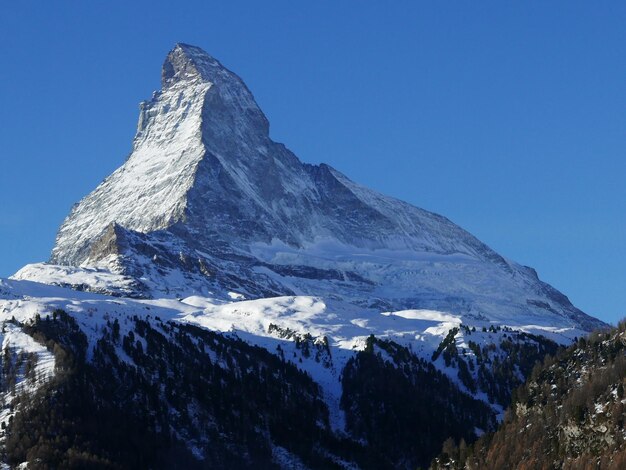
207, 204
210, 226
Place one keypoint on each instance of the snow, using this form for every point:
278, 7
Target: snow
344, 325
158, 173
15, 342
95, 279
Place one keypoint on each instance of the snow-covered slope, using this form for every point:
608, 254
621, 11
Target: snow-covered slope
319, 337
334, 330
207, 203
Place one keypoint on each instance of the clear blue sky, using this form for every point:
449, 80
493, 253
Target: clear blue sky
507, 117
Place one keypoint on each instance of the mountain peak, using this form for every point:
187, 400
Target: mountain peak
208, 202
230, 102
185, 62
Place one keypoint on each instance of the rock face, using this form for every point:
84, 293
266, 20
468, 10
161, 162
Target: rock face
207, 203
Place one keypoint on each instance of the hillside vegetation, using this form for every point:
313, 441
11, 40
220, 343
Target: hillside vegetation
569, 415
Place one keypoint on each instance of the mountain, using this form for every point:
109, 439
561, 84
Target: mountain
569, 415
207, 203
216, 303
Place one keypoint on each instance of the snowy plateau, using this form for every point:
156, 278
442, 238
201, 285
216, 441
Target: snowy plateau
210, 223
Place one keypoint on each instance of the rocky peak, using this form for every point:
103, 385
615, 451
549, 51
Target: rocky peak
229, 100
186, 62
